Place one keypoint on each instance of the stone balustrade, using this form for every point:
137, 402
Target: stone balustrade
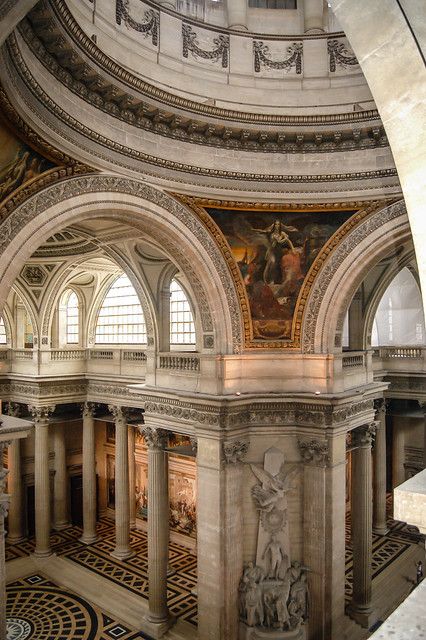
180, 362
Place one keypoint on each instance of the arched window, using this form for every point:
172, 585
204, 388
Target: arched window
72, 319
121, 319
182, 327
399, 317
3, 336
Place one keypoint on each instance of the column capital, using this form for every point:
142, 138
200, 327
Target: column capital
155, 439
364, 436
42, 413
119, 413
422, 405
13, 409
235, 451
314, 452
381, 405
88, 409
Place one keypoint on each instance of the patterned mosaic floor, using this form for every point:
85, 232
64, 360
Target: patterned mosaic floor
386, 548
131, 573
37, 609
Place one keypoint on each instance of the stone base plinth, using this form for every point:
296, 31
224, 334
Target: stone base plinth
157, 629
364, 616
260, 633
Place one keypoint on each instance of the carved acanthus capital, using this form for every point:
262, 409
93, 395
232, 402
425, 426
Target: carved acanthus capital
88, 409
13, 409
194, 444
119, 413
364, 436
381, 406
42, 413
422, 405
314, 452
155, 438
235, 451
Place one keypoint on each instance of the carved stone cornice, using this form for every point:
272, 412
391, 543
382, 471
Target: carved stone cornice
364, 436
314, 452
70, 69
235, 451
352, 410
57, 390
156, 439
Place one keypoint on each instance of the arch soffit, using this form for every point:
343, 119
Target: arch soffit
383, 283
176, 228
343, 271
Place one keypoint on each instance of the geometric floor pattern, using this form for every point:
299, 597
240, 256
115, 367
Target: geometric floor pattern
386, 548
132, 573
37, 609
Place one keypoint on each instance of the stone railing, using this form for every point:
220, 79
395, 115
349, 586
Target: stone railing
23, 354
57, 355
387, 353
134, 356
4, 355
353, 360
101, 354
180, 362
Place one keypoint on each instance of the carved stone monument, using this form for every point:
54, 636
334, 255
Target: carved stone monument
273, 592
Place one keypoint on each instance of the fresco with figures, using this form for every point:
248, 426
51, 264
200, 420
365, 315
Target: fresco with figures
18, 163
274, 251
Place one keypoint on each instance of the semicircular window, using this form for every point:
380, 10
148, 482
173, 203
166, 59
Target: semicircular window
3, 336
182, 327
121, 319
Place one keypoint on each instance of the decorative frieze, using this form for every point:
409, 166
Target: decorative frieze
149, 28
352, 410
235, 451
190, 45
314, 452
294, 57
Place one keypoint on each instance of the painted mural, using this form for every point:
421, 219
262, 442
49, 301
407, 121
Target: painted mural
18, 163
274, 251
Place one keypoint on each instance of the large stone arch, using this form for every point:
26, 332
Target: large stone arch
174, 226
393, 62
343, 271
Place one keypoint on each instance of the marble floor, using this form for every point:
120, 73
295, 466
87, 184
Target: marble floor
38, 609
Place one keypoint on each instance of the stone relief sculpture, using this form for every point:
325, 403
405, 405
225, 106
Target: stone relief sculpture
273, 591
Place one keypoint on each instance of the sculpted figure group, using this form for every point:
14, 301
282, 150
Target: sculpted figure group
273, 602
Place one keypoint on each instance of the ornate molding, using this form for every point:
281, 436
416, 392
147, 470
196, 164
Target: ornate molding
314, 452
133, 110
190, 45
294, 57
341, 55
76, 34
344, 241
352, 410
156, 439
235, 451
149, 28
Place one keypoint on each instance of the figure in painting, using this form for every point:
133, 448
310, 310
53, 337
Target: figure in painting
277, 239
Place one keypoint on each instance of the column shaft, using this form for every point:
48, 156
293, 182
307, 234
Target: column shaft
132, 477
42, 486
398, 450
15, 525
3, 513
60, 487
379, 509
89, 476
122, 504
237, 14
362, 519
313, 13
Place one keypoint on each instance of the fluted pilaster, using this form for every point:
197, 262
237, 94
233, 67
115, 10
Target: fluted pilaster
60, 485
15, 525
89, 475
42, 480
362, 519
122, 503
423, 408
132, 477
379, 487
158, 529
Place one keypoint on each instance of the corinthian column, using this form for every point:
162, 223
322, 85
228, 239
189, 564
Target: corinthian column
361, 499
15, 532
42, 480
122, 505
158, 530
89, 475
132, 476
379, 508
4, 504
